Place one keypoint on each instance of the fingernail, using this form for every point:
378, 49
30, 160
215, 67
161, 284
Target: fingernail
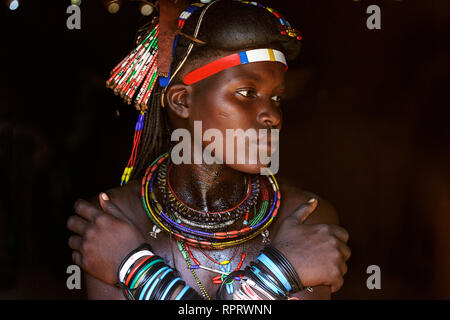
311, 200
104, 196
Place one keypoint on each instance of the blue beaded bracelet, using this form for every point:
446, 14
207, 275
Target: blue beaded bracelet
159, 280
270, 284
151, 283
275, 270
174, 281
182, 293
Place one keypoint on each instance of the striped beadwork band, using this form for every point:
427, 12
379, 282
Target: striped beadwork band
235, 59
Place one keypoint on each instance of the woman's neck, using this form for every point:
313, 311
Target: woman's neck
210, 188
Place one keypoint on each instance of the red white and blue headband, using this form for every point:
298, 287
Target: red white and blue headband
235, 59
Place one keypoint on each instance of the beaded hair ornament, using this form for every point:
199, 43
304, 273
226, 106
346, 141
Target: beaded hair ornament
135, 77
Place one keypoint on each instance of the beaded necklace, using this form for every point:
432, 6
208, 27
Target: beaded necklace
199, 238
194, 237
185, 255
201, 219
224, 266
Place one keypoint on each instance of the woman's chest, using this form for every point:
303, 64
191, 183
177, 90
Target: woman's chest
202, 270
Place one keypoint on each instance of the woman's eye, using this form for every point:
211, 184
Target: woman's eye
248, 93
276, 99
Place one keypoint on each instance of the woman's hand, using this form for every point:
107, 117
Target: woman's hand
103, 240
318, 252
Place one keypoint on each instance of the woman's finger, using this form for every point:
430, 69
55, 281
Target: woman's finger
109, 207
305, 210
77, 258
337, 285
340, 233
343, 268
345, 250
75, 243
86, 210
77, 224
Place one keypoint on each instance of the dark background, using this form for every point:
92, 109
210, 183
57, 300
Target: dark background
366, 126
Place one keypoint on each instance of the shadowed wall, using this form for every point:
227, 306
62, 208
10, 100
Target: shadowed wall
366, 126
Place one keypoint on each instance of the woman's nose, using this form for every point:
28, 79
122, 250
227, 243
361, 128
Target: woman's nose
269, 115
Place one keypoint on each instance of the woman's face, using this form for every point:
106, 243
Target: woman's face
241, 97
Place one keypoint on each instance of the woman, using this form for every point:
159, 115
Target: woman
206, 84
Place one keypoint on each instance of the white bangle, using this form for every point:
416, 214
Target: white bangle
249, 291
131, 260
252, 284
239, 295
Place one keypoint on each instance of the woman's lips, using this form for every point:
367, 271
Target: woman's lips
269, 144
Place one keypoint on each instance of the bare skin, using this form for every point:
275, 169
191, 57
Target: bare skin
307, 233
128, 199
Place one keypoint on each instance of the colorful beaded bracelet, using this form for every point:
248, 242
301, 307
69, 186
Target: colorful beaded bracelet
143, 275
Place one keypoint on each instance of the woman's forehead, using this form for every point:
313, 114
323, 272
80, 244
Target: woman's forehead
268, 73
258, 71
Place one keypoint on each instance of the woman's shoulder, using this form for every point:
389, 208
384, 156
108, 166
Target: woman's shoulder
127, 194
294, 196
127, 198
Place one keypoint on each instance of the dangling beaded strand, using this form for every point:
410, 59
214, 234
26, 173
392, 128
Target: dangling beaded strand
185, 255
137, 70
137, 137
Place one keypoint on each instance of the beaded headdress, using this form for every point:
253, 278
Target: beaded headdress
136, 76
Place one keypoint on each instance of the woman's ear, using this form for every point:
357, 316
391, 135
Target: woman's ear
178, 100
